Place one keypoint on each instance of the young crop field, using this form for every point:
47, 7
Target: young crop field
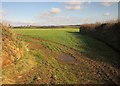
66, 56
67, 42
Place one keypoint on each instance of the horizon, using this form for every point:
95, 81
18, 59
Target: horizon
57, 13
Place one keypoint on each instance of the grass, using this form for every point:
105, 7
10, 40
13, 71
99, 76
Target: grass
57, 35
72, 38
60, 72
20, 67
39, 57
47, 65
50, 67
51, 46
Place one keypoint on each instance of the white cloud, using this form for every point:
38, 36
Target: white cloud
20, 22
107, 14
49, 14
89, 1
40, 19
27, 21
2, 12
73, 5
74, 2
24, 23
63, 20
108, 3
57, 20
55, 10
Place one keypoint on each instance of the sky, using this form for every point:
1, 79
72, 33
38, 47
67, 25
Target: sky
57, 13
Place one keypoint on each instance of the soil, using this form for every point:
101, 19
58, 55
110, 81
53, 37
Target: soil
86, 70
80, 65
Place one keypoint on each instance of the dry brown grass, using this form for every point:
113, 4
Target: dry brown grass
10, 51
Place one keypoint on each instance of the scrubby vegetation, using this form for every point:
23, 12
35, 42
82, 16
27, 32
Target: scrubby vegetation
16, 59
11, 47
106, 32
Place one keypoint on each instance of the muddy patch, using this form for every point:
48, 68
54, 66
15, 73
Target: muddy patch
66, 58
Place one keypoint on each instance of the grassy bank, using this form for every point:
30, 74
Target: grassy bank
106, 32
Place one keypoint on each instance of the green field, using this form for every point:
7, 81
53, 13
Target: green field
72, 38
60, 35
88, 53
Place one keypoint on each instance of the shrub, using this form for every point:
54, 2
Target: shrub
107, 32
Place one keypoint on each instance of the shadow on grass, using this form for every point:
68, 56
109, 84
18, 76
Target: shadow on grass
95, 49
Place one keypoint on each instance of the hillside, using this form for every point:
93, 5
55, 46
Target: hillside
14, 56
11, 50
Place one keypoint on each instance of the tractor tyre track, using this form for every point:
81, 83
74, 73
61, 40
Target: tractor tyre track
104, 72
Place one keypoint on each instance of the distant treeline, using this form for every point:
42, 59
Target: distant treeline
47, 27
109, 33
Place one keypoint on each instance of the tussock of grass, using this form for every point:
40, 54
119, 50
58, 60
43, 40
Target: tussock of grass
50, 46
39, 56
